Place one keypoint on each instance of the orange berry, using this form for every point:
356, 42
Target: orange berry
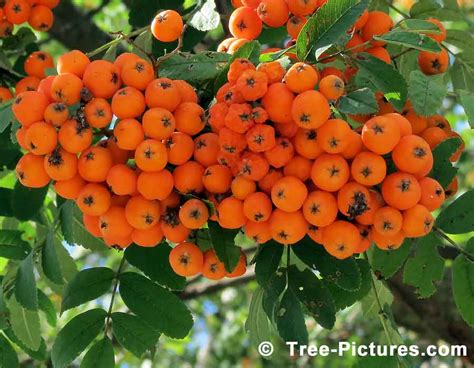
74, 62
278, 103
141, 213
368, 168
30, 171
167, 26
162, 92
188, 177
66, 88
94, 199
194, 214
122, 180
61, 165
186, 259
128, 103
70, 189
320, 208
401, 190
151, 155
301, 77
310, 110
273, 13
41, 18
213, 268
102, 78
330, 172
147, 187
231, 213
41, 138
289, 194
432, 194
417, 221
380, 134
94, 164
433, 62
332, 87
341, 239
29, 107
244, 23
287, 227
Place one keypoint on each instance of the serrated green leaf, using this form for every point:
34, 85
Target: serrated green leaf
343, 298
8, 357
314, 295
47, 307
148, 301
267, 261
223, 242
87, 285
443, 170
419, 25
424, 9
12, 246
25, 324
6, 115
76, 336
111, 53
380, 76
50, 261
327, 25
143, 45
388, 262
463, 287
466, 99
461, 39
194, 68
154, 262
39, 355
462, 75
426, 267
426, 92
257, 325
370, 306
101, 354
344, 273
413, 40
4, 313
25, 284
273, 291
26, 202
134, 334
361, 101
206, 18
290, 319
458, 217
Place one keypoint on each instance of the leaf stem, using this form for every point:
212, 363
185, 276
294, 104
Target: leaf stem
114, 292
343, 51
174, 52
452, 243
402, 53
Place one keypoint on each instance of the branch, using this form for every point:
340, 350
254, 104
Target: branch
174, 52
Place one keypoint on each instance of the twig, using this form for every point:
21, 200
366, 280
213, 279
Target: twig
114, 41
114, 292
174, 52
396, 56
452, 243
343, 52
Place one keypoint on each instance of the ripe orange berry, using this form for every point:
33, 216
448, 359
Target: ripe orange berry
240, 269
56, 114
69, 189
141, 213
388, 221
242, 187
188, 177
186, 259
148, 238
5, 94
94, 199
30, 171
17, 11
91, 223
128, 103
377, 24
151, 155
129, 134
37, 62
305, 143
61, 165
187, 92
332, 87
102, 78
412, 154
273, 70
353, 199
213, 269
417, 221
433, 62
278, 103
362, 20
380, 134
231, 213
434, 136
94, 164
432, 194
162, 92
98, 113
41, 138
189, 118
252, 84
259, 232
273, 13
301, 77
302, 7
310, 110
401, 190
375, 202
41, 18
66, 88
287, 227
388, 242
380, 53
289, 194
330, 172
244, 23
147, 187
74, 137
137, 73
368, 168
299, 167
294, 26
341, 239
403, 123
206, 149
257, 207
114, 223
438, 37
333, 135
320, 208
194, 214
28, 83
29, 107
167, 26
122, 180
74, 62
217, 179
253, 166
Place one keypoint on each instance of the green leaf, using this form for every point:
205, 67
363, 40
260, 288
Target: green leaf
156, 306
419, 25
8, 357
26, 202
426, 267
466, 99
257, 324
12, 246
194, 68
76, 336
273, 291
6, 115
223, 242
101, 354
344, 273
267, 262
154, 262
343, 298
5, 202
462, 74
370, 306
143, 43
458, 217
327, 25
246, 51
39, 354
206, 18
380, 76
314, 295
443, 170
424, 9
413, 40
25, 284
134, 334
4, 313
461, 39
463, 287
25, 324
426, 92
387, 262
74, 230
47, 307
290, 319
111, 53
49, 259
87, 285
361, 101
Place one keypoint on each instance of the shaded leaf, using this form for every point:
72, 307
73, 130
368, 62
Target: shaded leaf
25, 284
49, 259
466, 99
426, 92
47, 307
25, 324
443, 170
414, 40
12, 246
290, 319
26, 202
463, 287
370, 306
223, 242
101, 354
361, 101
388, 262
8, 357
267, 261
458, 217
257, 324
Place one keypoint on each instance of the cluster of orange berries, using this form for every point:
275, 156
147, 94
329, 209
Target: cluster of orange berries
126, 146
293, 169
37, 13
